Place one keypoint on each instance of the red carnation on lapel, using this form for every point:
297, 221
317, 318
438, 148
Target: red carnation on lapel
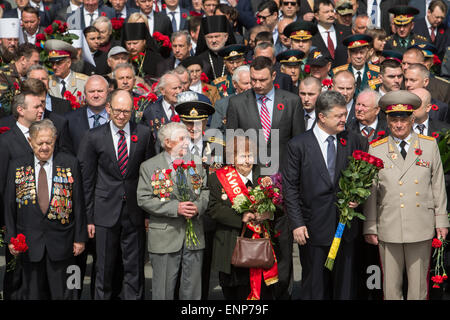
47, 8
280, 106
435, 135
204, 77
175, 118
434, 107
103, 14
184, 15
2, 6
4, 129
343, 142
164, 6
276, 85
307, 68
134, 138
205, 89
418, 151
441, 31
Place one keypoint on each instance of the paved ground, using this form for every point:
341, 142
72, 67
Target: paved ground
215, 291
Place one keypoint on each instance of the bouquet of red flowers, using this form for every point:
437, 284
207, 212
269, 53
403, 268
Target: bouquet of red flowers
182, 171
438, 256
139, 61
75, 102
163, 43
143, 101
117, 24
355, 184
20, 245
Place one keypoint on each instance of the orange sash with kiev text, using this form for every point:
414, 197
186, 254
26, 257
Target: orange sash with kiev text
233, 185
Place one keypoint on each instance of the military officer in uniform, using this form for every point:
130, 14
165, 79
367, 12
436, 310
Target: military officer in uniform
194, 114
403, 25
300, 32
291, 62
358, 53
407, 205
233, 57
60, 55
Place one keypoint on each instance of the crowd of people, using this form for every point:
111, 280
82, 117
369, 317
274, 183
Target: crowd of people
123, 123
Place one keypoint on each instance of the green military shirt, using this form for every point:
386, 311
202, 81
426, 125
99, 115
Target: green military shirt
9, 87
370, 76
394, 42
224, 85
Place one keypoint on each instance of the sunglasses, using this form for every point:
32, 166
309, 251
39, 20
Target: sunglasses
287, 3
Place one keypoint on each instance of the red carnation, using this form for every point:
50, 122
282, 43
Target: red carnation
357, 154
258, 21
434, 107
224, 87
16, 86
436, 243
205, 89
2, 6
103, 14
204, 77
4, 129
164, 6
343, 142
177, 163
175, 118
19, 243
372, 160
168, 171
40, 37
49, 29
327, 83
379, 164
184, 15
58, 22
436, 60
441, 31
191, 164
276, 85
418, 151
134, 138
47, 8
152, 97
307, 68
435, 135
381, 133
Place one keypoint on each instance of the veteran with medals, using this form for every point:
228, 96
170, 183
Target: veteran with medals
407, 205
225, 184
44, 202
175, 239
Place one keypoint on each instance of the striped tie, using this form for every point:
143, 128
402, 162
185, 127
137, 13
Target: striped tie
122, 152
265, 117
374, 13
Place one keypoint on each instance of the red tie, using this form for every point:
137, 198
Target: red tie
432, 34
122, 153
156, 6
265, 118
330, 45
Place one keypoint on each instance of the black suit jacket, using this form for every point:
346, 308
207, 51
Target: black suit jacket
436, 126
43, 15
309, 193
385, 5
60, 106
287, 117
105, 189
63, 140
154, 116
381, 127
441, 113
42, 234
340, 52
78, 125
442, 37
154, 65
101, 65
162, 23
439, 89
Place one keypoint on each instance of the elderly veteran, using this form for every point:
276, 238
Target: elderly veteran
163, 190
238, 283
44, 202
407, 206
301, 33
60, 56
291, 61
233, 57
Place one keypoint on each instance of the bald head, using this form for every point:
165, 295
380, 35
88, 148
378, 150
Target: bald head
96, 92
412, 56
344, 83
421, 114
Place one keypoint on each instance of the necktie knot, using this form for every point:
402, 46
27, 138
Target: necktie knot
368, 130
263, 99
402, 144
421, 128
330, 139
96, 118
42, 163
121, 132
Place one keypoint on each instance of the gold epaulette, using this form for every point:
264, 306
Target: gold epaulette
374, 82
375, 68
219, 80
388, 38
426, 137
443, 79
216, 140
421, 37
340, 68
379, 142
81, 76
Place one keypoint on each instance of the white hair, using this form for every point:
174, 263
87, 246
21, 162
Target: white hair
237, 72
168, 130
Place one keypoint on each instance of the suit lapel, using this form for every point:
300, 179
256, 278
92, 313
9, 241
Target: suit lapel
21, 137
276, 113
132, 147
320, 162
341, 154
111, 150
254, 110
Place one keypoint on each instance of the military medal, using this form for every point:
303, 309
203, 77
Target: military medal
394, 156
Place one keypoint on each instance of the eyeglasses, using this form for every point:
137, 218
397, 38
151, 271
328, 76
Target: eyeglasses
264, 17
287, 3
116, 112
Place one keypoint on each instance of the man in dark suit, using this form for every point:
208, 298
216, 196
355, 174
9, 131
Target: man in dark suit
30, 25
50, 214
66, 9
110, 157
86, 14
314, 162
272, 113
344, 83
53, 104
174, 11
122, 8
157, 21
17, 13
163, 110
309, 90
379, 16
330, 35
92, 36
368, 122
418, 76
432, 27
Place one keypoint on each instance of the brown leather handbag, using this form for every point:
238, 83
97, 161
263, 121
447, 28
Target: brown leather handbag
252, 253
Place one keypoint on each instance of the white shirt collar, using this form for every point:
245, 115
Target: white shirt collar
177, 10
373, 125
24, 129
149, 16
323, 136
407, 139
323, 30
116, 130
49, 162
247, 178
425, 123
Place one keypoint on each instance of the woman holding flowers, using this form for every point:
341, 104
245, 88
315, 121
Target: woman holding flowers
172, 190
227, 186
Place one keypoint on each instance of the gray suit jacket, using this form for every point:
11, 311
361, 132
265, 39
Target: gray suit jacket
220, 114
168, 229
